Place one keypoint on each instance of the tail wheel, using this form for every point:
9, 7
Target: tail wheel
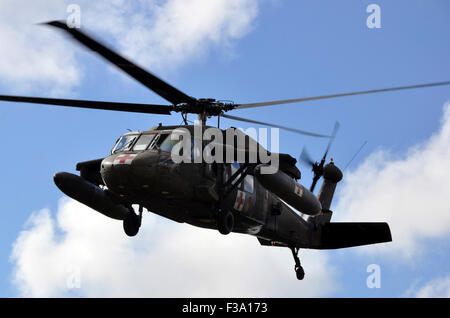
225, 221
131, 223
298, 267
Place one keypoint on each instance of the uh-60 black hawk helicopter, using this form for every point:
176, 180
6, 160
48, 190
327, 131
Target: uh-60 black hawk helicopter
228, 196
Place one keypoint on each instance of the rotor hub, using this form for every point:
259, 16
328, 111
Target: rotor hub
204, 106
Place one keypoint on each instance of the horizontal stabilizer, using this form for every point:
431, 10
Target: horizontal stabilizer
341, 235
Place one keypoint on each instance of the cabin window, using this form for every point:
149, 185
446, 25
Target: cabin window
235, 167
124, 143
143, 142
247, 184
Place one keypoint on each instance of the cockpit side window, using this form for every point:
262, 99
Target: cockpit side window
124, 143
143, 142
167, 143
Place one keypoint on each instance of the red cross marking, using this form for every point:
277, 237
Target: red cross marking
240, 200
124, 158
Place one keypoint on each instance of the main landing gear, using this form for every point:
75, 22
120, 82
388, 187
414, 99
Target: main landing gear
132, 222
298, 267
225, 221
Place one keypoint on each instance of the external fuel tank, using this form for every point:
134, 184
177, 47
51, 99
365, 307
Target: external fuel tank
89, 194
287, 189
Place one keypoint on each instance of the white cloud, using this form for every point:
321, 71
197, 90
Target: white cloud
168, 35
166, 259
159, 35
32, 57
437, 288
410, 192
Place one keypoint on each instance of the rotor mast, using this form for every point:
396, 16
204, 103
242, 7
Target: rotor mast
202, 118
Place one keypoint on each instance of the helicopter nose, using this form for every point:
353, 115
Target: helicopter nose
106, 165
116, 172
127, 172
118, 163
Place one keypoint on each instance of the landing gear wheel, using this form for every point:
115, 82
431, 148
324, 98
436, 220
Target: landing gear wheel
131, 223
299, 272
225, 221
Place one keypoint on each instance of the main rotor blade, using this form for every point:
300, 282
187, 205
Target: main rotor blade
298, 131
297, 100
124, 107
356, 154
149, 80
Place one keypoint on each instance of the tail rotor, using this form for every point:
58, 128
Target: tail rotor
317, 167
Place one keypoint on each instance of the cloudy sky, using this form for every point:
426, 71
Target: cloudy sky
246, 51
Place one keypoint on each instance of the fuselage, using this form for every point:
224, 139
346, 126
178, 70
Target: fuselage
227, 196
145, 174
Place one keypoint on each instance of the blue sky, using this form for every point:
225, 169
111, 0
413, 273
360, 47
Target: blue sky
288, 49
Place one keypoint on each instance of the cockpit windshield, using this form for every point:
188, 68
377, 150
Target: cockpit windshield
143, 142
124, 143
161, 141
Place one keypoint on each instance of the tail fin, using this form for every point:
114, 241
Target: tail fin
331, 176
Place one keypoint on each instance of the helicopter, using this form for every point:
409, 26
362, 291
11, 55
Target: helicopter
234, 194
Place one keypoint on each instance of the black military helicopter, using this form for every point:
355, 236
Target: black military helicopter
230, 196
